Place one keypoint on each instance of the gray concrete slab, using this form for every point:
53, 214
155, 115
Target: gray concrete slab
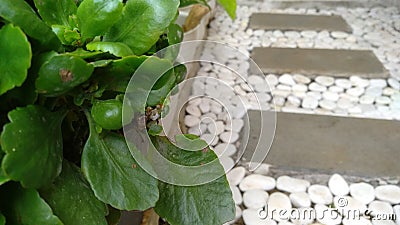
273, 21
353, 146
312, 62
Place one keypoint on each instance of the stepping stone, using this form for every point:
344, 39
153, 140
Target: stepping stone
354, 146
298, 22
330, 62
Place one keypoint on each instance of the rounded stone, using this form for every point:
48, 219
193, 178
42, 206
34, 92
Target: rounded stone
363, 192
287, 80
378, 83
325, 80
338, 185
236, 195
272, 80
301, 79
388, 193
309, 103
277, 202
229, 137
343, 83
257, 181
367, 99
395, 84
331, 96
191, 121
236, 175
316, 87
356, 91
255, 199
224, 149
253, 80
383, 100
380, 208
327, 104
193, 110
262, 169
211, 139
251, 217
290, 184
327, 216
348, 205
300, 199
216, 128
320, 194
374, 91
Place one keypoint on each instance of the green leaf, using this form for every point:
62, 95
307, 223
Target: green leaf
114, 175
117, 74
142, 23
97, 16
21, 14
25, 207
116, 48
229, 6
84, 54
2, 219
3, 176
190, 142
62, 73
161, 88
209, 203
184, 3
72, 199
56, 11
15, 55
174, 34
66, 35
33, 145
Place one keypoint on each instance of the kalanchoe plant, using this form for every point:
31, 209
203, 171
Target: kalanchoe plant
64, 69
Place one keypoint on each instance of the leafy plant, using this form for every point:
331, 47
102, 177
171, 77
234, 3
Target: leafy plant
64, 69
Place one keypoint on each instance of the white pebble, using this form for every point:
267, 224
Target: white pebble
262, 169
255, 199
193, 110
374, 91
204, 107
327, 104
363, 192
380, 208
276, 203
344, 83
339, 34
236, 175
229, 137
327, 216
316, 87
251, 217
325, 80
211, 139
257, 181
383, 100
388, 193
396, 210
289, 184
348, 205
216, 128
299, 87
356, 91
309, 103
367, 99
394, 83
336, 89
191, 121
320, 194
225, 149
253, 79
301, 79
300, 199
378, 83
236, 195
272, 80
287, 80
331, 96
338, 185
344, 103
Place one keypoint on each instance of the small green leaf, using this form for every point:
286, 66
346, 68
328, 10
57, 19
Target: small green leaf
21, 14
190, 142
62, 73
2, 219
180, 72
97, 16
184, 3
66, 35
229, 6
209, 203
72, 199
15, 55
84, 54
25, 207
116, 48
114, 175
56, 11
117, 74
161, 88
174, 34
35, 132
3, 176
155, 129
142, 23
